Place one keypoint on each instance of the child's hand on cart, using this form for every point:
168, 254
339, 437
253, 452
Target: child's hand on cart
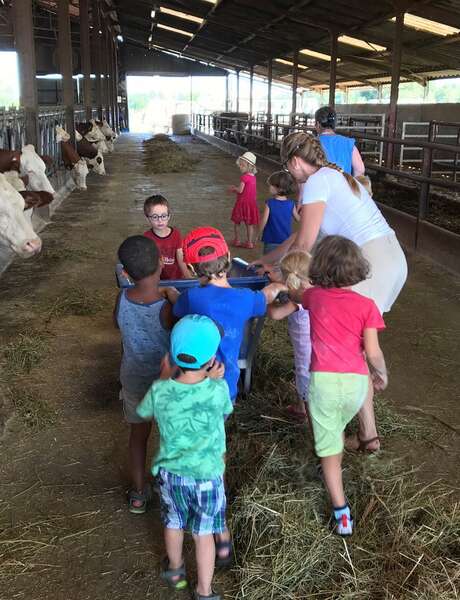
216, 370
170, 294
273, 290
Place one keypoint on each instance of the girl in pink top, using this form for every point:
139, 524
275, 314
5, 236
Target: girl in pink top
343, 328
245, 209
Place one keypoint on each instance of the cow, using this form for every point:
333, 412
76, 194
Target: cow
33, 166
97, 164
9, 160
15, 229
71, 159
110, 135
91, 132
31, 199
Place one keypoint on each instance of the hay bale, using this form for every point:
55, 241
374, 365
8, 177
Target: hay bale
163, 155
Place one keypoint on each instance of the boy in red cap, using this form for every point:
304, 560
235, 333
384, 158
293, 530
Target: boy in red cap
206, 254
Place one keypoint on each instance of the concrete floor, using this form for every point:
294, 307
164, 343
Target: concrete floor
63, 486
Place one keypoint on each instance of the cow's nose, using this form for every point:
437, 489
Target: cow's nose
33, 246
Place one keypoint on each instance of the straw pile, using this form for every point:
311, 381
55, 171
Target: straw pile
407, 539
162, 155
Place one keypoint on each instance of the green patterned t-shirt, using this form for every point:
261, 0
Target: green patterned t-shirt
190, 418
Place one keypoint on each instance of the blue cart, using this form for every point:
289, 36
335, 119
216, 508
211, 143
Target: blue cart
239, 276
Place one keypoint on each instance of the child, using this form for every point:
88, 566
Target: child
294, 270
276, 223
206, 254
245, 209
144, 318
344, 326
189, 411
168, 239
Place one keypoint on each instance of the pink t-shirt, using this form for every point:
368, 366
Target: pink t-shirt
338, 318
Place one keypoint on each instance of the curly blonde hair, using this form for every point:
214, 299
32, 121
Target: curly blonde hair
246, 166
295, 268
307, 147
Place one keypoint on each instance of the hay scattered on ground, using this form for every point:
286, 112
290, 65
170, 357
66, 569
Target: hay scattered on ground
24, 353
77, 301
406, 544
163, 155
56, 253
33, 411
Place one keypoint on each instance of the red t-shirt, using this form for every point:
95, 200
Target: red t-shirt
168, 247
338, 318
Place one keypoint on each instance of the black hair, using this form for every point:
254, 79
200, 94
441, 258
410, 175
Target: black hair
326, 117
139, 256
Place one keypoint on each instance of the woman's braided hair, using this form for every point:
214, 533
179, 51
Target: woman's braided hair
308, 148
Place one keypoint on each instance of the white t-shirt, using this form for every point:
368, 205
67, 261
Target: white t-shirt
353, 217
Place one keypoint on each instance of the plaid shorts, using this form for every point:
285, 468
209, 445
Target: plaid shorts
197, 505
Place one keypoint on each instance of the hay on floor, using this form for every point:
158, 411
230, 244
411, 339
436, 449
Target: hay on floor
163, 155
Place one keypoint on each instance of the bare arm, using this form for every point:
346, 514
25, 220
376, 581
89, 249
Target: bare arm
281, 311
311, 217
295, 213
375, 359
275, 255
115, 310
272, 290
357, 165
264, 218
237, 189
183, 267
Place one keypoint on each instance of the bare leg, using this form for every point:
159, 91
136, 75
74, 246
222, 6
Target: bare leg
236, 229
137, 453
205, 552
332, 473
367, 428
250, 232
174, 539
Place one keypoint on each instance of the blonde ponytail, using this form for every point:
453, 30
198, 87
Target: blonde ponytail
294, 269
308, 148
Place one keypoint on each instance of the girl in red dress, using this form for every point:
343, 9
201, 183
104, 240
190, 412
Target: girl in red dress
245, 209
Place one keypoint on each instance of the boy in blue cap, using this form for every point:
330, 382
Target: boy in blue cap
189, 410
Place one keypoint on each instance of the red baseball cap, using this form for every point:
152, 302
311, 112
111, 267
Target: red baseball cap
201, 238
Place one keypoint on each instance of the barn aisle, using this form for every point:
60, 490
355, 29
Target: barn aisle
65, 532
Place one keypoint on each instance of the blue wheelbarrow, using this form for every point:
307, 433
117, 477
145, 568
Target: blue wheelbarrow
239, 276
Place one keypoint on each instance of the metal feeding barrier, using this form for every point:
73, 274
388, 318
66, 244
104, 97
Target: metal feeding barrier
48, 118
12, 128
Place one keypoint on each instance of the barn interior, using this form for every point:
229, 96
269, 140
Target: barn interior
65, 532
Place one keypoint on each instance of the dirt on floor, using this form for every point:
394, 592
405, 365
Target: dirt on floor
65, 532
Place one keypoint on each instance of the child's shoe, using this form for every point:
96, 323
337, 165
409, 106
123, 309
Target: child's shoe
236, 243
248, 245
342, 521
138, 502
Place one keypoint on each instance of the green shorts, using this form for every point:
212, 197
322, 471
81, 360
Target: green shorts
333, 400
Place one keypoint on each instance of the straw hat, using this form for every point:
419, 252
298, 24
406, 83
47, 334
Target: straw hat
249, 157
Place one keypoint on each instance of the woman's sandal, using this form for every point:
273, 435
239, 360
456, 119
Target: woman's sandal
226, 561
143, 500
363, 445
175, 578
213, 596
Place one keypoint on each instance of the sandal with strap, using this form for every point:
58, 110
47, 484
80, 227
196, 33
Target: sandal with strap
223, 562
141, 498
175, 578
363, 445
213, 596
342, 526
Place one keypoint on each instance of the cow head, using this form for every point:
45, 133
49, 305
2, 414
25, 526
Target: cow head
97, 164
33, 166
15, 229
14, 179
95, 134
79, 173
78, 136
61, 135
102, 146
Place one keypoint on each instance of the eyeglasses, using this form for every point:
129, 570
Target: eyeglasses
163, 217
291, 155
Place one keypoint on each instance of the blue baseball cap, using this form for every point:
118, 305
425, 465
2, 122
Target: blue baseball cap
194, 341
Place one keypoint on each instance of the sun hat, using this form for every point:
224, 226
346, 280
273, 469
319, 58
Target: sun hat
249, 157
194, 341
200, 238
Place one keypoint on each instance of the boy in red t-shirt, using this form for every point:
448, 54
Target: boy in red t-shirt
343, 328
168, 239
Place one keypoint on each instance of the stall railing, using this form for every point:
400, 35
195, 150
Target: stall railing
12, 128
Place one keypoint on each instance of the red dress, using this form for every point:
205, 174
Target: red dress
168, 247
245, 209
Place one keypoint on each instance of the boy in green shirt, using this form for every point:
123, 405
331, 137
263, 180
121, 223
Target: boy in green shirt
190, 411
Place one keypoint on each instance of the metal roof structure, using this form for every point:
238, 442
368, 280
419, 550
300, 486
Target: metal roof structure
239, 34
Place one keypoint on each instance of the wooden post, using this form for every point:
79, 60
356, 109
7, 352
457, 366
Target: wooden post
25, 46
237, 90
395, 76
226, 93
96, 39
85, 53
333, 68
115, 85
251, 90
65, 63
269, 90
295, 77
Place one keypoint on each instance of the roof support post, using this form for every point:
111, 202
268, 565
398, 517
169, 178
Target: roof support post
105, 71
25, 47
115, 86
85, 52
96, 51
237, 90
251, 89
395, 78
295, 77
333, 68
269, 90
65, 64
226, 93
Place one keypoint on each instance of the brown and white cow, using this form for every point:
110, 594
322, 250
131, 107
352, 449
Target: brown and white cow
16, 230
71, 158
31, 199
30, 165
92, 155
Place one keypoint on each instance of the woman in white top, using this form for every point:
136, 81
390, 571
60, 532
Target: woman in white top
334, 203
